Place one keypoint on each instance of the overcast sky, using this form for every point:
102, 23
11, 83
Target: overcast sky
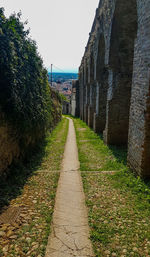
60, 28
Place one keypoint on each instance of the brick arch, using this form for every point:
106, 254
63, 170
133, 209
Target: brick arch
121, 54
123, 34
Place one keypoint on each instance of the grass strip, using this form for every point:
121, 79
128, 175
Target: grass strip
94, 154
118, 203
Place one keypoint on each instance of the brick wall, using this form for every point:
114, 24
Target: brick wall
115, 66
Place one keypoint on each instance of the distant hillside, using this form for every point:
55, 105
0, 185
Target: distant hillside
61, 77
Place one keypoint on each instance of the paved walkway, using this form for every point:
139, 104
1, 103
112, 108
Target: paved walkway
70, 231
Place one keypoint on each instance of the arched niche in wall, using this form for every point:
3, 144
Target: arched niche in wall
123, 34
86, 91
102, 86
100, 62
91, 90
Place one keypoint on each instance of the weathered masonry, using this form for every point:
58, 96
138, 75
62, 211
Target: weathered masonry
114, 78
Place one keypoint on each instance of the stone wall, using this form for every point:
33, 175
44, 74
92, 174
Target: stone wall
9, 145
114, 78
14, 144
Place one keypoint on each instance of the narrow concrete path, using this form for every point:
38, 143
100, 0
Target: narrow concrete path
70, 231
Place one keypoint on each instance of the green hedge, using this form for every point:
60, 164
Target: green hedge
25, 96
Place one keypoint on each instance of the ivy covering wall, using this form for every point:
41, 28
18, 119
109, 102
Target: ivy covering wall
27, 104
